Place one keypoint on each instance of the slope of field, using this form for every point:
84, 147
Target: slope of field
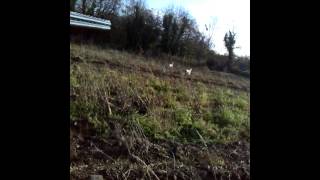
133, 117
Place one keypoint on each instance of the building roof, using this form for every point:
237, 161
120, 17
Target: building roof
81, 20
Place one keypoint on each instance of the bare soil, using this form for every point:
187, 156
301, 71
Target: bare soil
113, 158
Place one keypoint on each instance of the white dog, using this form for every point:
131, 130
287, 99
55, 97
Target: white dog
188, 71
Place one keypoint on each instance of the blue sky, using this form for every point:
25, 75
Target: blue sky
224, 14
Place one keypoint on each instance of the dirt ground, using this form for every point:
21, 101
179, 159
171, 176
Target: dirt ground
121, 158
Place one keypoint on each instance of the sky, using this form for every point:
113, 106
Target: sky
225, 15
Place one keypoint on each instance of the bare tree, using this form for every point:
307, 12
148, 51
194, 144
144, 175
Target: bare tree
210, 28
83, 7
107, 8
99, 8
73, 4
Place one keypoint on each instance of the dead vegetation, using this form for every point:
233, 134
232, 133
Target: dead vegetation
148, 160
132, 120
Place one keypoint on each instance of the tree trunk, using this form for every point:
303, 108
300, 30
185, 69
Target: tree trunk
230, 60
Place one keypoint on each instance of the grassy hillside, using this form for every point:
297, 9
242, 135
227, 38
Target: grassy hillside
133, 117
